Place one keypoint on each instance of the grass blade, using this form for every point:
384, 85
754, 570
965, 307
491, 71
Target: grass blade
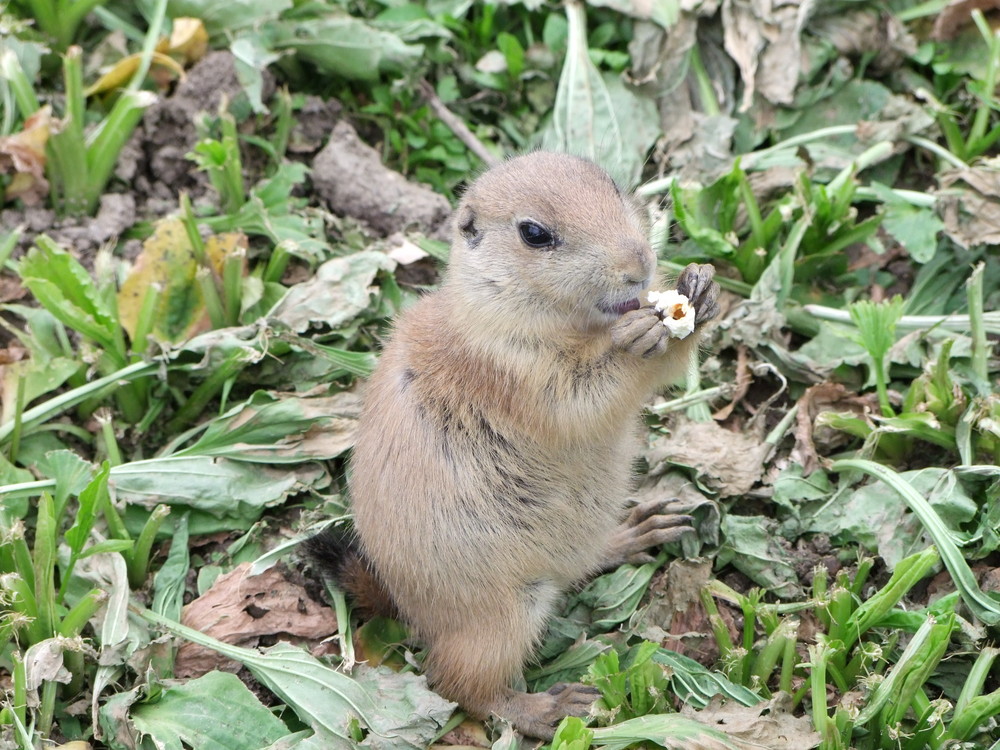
983, 606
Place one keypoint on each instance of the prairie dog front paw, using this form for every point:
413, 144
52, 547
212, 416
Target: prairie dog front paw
695, 283
640, 333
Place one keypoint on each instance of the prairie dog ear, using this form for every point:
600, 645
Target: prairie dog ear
466, 223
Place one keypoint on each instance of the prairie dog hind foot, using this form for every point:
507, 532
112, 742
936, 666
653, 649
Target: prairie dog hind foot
538, 714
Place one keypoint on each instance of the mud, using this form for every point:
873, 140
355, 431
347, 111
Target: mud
349, 177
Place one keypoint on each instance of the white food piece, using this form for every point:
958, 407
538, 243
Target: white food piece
678, 312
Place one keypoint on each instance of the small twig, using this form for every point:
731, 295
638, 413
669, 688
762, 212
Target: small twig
456, 125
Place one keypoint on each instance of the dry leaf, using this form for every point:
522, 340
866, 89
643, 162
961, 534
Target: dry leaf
730, 463
765, 41
23, 155
971, 214
674, 616
242, 609
768, 724
187, 43
957, 15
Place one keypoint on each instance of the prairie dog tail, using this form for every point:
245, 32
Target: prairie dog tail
335, 554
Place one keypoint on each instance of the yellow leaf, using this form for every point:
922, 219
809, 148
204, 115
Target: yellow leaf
123, 70
188, 39
167, 260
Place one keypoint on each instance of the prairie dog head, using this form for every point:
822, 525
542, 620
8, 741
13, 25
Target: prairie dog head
549, 241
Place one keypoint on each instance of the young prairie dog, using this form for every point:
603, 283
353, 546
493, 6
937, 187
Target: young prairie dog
493, 459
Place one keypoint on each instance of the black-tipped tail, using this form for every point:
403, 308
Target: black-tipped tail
336, 555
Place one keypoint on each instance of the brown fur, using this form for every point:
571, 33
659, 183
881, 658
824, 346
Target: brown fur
493, 459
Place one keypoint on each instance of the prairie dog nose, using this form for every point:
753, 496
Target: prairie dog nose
638, 261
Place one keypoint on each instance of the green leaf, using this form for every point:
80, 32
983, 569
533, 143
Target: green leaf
614, 597
583, 119
170, 580
344, 46
876, 323
572, 734
70, 472
884, 524
340, 291
213, 711
229, 494
399, 708
279, 428
696, 685
251, 58
231, 15
982, 605
753, 546
513, 53
669, 731
916, 229
64, 288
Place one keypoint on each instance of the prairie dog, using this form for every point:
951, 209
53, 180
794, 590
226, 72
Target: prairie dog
493, 459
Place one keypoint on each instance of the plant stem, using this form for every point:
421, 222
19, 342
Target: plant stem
15, 438
20, 84
942, 153
47, 709
148, 44
67, 165
980, 346
981, 119
54, 406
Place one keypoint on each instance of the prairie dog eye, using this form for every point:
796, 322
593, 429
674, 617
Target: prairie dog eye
535, 235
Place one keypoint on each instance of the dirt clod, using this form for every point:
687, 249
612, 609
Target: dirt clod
349, 176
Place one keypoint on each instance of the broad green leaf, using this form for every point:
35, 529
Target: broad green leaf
340, 291
224, 491
916, 229
753, 547
90, 501
567, 667
10, 474
171, 579
213, 711
231, 15
43, 371
583, 120
876, 323
696, 685
64, 288
70, 472
641, 121
669, 731
344, 46
572, 734
398, 710
614, 597
883, 523
250, 59
281, 428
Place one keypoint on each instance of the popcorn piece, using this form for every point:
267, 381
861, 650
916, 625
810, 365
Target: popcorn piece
677, 311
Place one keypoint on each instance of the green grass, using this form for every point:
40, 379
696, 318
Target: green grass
164, 421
